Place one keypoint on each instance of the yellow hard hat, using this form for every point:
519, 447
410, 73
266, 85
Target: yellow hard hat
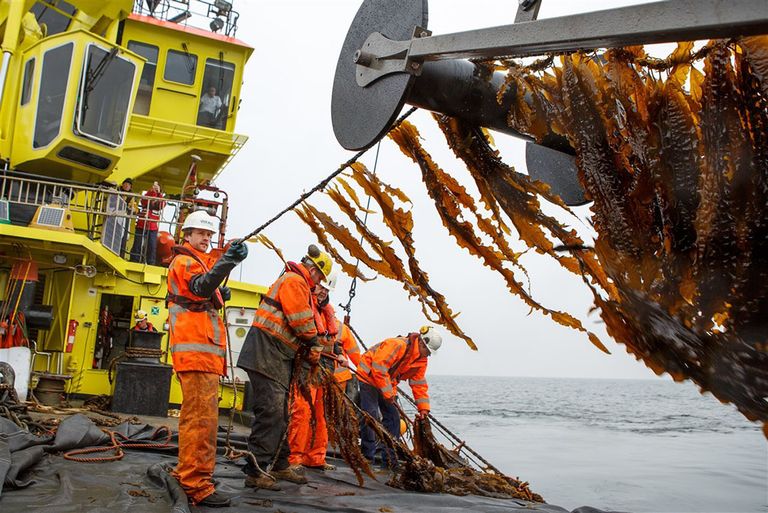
140, 315
321, 259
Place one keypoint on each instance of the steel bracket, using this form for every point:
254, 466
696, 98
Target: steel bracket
380, 56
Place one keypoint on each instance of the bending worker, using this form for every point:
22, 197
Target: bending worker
380, 370
142, 324
284, 323
198, 345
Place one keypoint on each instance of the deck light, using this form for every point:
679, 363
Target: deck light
217, 24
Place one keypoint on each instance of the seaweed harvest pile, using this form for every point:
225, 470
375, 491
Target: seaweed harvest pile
428, 467
673, 155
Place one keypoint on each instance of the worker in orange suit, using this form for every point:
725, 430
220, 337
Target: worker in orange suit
198, 345
285, 324
381, 368
309, 448
350, 351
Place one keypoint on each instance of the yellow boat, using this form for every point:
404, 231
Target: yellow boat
95, 92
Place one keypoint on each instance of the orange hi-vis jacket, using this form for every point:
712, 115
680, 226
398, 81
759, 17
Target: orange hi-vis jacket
393, 360
350, 350
198, 340
288, 312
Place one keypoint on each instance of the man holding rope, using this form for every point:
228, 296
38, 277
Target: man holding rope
286, 324
198, 344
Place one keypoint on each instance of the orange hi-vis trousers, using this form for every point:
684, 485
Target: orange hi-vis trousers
198, 424
304, 450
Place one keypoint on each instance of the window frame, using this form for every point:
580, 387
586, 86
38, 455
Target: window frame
27, 82
66, 88
156, 64
86, 64
183, 54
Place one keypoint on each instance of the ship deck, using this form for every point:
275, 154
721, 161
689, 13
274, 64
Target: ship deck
138, 482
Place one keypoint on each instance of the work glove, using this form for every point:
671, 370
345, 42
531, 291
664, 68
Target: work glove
422, 414
313, 357
236, 252
226, 293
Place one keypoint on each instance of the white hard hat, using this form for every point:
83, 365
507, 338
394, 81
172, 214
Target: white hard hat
329, 283
431, 338
202, 220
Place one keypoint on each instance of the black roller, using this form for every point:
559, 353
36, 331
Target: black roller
458, 88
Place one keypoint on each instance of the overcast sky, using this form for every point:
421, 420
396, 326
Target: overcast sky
286, 113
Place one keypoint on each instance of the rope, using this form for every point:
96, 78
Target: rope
118, 444
460, 444
231, 453
133, 352
324, 183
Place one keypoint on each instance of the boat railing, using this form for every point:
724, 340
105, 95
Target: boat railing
218, 14
104, 213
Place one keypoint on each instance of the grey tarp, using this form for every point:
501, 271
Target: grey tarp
37, 479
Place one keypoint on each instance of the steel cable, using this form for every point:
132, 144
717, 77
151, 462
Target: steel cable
324, 183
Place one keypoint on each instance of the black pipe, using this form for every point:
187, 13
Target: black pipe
467, 91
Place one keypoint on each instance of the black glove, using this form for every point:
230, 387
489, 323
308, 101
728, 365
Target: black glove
236, 252
204, 285
337, 348
226, 293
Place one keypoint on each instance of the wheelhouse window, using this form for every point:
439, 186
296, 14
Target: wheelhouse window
105, 94
215, 98
53, 89
26, 84
55, 14
147, 80
180, 67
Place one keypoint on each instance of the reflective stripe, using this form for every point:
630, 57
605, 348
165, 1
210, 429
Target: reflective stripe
306, 314
174, 286
191, 347
271, 309
379, 367
417, 382
272, 326
340, 369
277, 330
422, 401
214, 320
364, 368
173, 311
353, 350
387, 389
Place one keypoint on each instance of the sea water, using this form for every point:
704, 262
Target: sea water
625, 445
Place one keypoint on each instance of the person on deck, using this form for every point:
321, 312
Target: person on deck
198, 342
381, 368
285, 323
142, 324
309, 448
349, 350
145, 241
132, 208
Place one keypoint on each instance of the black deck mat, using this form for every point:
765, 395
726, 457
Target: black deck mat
139, 483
